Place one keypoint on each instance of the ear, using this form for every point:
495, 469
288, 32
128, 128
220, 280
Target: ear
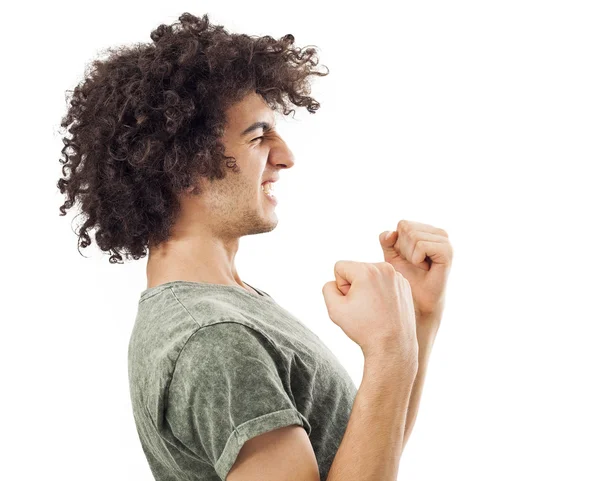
197, 183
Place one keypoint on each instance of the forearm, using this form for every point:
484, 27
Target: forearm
371, 446
426, 339
415, 393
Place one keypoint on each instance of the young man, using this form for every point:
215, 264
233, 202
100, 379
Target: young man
174, 147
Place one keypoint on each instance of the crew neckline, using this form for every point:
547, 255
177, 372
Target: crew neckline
150, 291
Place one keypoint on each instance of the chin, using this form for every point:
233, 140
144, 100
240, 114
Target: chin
259, 224
271, 225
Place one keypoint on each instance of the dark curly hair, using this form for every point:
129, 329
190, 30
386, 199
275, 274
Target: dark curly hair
146, 123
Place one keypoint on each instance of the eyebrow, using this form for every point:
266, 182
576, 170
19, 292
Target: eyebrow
257, 125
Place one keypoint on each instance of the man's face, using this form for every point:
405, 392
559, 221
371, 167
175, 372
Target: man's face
236, 205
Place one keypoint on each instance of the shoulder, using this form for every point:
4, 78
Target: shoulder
234, 338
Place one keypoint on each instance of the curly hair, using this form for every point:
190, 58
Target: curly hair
146, 122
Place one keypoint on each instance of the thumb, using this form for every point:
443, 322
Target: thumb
387, 243
387, 238
331, 296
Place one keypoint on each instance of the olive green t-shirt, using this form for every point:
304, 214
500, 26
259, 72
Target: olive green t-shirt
212, 365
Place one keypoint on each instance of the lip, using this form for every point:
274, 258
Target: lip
270, 180
271, 199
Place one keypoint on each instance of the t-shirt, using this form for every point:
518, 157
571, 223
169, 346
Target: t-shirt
212, 366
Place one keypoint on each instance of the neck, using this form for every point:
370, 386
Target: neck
194, 259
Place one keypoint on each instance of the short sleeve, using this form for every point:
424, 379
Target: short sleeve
228, 387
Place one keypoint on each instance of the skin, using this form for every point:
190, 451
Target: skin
205, 238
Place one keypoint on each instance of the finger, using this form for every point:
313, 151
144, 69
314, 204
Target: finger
407, 241
408, 225
345, 272
438, 252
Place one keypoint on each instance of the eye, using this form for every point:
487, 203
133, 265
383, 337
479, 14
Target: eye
257, 138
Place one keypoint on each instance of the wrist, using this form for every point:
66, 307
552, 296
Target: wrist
393, 364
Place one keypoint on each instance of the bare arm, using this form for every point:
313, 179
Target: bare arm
426, 332
372, 444
415, 394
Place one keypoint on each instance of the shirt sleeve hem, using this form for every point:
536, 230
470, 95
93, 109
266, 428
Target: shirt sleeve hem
252, 428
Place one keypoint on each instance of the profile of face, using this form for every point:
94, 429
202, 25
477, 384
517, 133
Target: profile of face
237, 205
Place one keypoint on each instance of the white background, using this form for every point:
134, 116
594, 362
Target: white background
478, 117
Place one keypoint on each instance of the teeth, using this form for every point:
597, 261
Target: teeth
268, 187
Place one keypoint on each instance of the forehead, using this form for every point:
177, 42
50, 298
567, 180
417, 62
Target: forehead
250, 109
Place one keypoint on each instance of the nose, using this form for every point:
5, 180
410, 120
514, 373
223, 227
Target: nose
280, 155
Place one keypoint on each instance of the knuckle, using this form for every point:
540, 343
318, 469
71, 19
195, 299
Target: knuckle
387, 268
403, 225
339, 265
371, 269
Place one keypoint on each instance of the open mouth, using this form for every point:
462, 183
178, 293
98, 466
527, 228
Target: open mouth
267, 188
